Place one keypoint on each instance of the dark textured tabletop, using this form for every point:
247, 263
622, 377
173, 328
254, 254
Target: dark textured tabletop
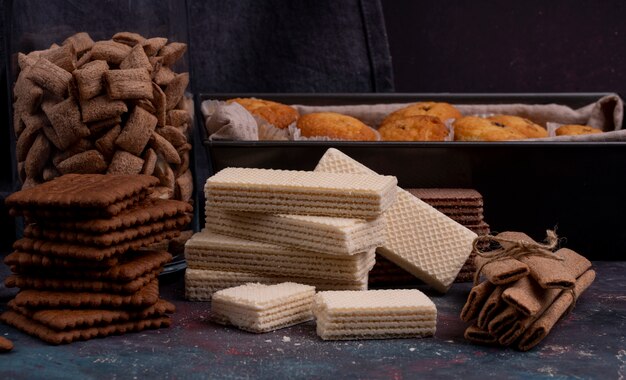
589, 343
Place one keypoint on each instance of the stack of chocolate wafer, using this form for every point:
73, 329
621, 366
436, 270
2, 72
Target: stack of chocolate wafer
80, 267
273, 226
526, 290
464, 206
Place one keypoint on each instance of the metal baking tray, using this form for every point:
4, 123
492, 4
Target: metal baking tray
575, 187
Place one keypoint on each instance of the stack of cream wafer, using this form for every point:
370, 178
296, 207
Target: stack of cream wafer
79, 267
521, 299
272, 226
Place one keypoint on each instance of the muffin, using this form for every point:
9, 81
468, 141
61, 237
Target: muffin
335, 126
574, 130
277, 114
521, 125
472, 128
414, 128
443, 111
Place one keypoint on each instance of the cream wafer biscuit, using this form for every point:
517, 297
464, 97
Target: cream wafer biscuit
269, 191
51, 336
338, 236
207, 250
420, 239
200, 284
374, 314
263, 308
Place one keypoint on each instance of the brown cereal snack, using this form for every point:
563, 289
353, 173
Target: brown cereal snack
335, 126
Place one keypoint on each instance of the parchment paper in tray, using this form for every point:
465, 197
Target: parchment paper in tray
606, 114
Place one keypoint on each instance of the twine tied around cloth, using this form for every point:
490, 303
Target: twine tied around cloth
513, 249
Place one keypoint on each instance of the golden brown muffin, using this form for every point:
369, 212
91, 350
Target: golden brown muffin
574, 129
443, 111
521, 125
336, 126
472, 128
414, 128
278, 114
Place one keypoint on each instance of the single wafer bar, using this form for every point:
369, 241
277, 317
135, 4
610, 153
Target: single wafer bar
448, 196
374, 314
201, 284
420, 239
207, 250
270, 191
338, 236
263, 308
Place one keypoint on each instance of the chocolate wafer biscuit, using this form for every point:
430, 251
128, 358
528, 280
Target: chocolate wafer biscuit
89, 192
108, 238
149, 210
444, 196
5, 344
69, 319
24, 260
46, 299
476, 299
86, 252
131, 266
62, 337
81, 285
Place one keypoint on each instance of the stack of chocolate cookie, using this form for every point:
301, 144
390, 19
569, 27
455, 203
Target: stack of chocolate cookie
526, 290
80, 267
464, 206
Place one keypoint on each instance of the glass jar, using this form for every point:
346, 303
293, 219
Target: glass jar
35, 25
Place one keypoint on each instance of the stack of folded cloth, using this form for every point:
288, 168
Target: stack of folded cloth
274, 226
521, 299
374, 314
464, 206
80, 266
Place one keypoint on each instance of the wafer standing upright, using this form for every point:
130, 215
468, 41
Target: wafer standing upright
464, 206
420, 239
